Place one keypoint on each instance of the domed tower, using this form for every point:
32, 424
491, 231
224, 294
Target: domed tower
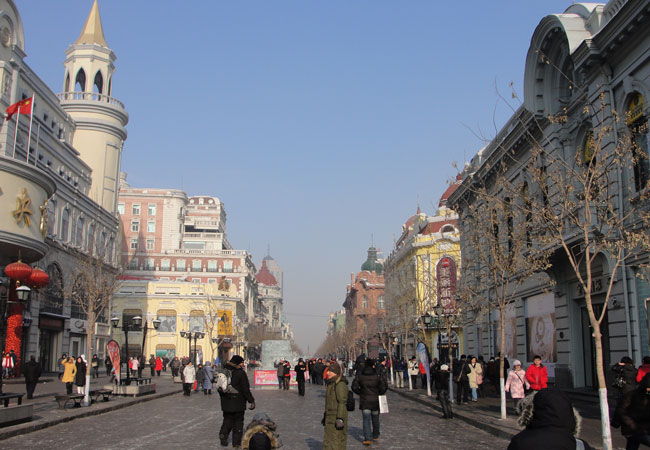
100, 119
372, 264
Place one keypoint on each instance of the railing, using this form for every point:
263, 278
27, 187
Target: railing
90, 96
202, 235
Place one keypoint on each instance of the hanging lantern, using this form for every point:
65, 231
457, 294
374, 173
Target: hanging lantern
38, 278
18, 271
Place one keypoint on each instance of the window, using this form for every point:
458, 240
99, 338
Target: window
638, 126
212, 266
135, 209
212, 280
150, 264
196, 265
134, 244
127, 317
380, 302
196, 321
65, 224
150, 244
120, 208
164, 264
133, 264
78, 235
167, 321
53, 296
227, 266
151, 209
180, 264
151, 226
364, 303
51, 217
78, 302
101, 244
90, 243
135, 226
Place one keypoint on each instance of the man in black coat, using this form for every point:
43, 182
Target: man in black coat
233, 404
319, 368
32, 371
461, 370
369, 385
633, 415
300, 369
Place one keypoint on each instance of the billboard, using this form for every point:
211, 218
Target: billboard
224, 324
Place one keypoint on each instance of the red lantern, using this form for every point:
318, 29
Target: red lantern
18, 271
38, 278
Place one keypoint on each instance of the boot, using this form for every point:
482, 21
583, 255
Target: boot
224, 440
205, 392
209, 391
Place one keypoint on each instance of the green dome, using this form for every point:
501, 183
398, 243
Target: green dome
371, 264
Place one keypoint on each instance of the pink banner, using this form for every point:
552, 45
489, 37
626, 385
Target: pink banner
113, 350
270, 378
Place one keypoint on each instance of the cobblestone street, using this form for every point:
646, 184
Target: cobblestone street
178, 422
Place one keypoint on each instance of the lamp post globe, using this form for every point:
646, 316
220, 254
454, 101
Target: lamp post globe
115, 321
136, 321
156, 323
22, 293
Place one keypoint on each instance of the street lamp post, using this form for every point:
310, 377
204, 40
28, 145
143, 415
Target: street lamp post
196, 335
440, 312
132, 325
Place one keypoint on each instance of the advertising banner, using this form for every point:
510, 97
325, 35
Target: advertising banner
224, 325
113, 351
424, 359
540, 327
270, 378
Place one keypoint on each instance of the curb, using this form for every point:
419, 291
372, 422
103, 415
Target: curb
31, 427
495, 431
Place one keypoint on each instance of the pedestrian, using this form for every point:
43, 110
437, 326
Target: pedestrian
335, 418
152, 365
80, 375
165, 361
233, 405
69, 373
643, 369
135, 366
286, 382
189, 376
475, 377
423, 375
280, 373
300, 369
633, 415
625, 377
506, 366
63, 359
369, 385
517, 384
32, 372
7, 366
550, 422
319, 370
14, 359
537, 375
108, 364
461, 371
399, 373
94, 364
413, 372
159, 365
481, 386
140, 365
492, 374
261, 434
175, 366
208, 379
200, 378
442, 387
382, 368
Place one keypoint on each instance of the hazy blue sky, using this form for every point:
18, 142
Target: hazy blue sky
318, 123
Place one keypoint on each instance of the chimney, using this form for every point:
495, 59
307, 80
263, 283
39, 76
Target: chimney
351, 278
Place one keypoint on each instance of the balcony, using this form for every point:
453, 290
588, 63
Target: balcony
91, 97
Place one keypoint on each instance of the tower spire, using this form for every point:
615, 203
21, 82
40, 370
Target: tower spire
93, 32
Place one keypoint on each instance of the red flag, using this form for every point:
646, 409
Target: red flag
21, 107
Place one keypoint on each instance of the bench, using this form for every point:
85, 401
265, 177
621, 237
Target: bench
142, 381
64, 399
104, 393
6, 397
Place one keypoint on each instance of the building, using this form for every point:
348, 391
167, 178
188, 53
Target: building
270, 295
421, 273
336, 322
364, 305
172, 238
66, 181
591, 54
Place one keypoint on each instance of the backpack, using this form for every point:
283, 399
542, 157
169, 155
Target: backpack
223, 383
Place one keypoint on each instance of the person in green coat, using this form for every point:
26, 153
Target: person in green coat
335, 419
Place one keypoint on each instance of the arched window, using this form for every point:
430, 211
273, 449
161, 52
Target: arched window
51, 217
80, 81
638, 126
53, 294
101, 244
65, 225
67, 83
109, 251
447, 229
364, 303
78, 235
528, 211
90, 243
98, 84
380, 302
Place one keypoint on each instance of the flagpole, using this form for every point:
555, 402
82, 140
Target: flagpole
13, 155
38, 134
31, 120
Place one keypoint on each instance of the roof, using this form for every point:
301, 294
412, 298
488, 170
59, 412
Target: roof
265, 277
93, 33
450, 190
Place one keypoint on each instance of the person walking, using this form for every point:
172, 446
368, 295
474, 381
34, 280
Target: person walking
175, 366
152, 365
189, 376
200, 378
135, 366
233, 404
442, 388
319, 371
423, 375
335, 419
643, 369
300, 370
633, 415
537, 375
69, 373
7, 366
369, 385
475, 377
461, 371
80, 375
280, 373
286, 382
625, 374
550, 422
108, 364
208, 379
141, 365
413, 371
94, 364
159, 365
516, 383
14, 359
165, 361
32, 372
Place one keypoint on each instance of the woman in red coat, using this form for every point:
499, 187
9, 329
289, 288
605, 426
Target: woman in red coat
158, 365
536, 375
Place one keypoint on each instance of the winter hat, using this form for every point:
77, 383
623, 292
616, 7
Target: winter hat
444, 367
237, 360
516, 363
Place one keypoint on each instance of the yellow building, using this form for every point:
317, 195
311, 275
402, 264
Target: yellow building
421, 274
180, 306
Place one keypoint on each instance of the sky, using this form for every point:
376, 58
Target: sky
320, 124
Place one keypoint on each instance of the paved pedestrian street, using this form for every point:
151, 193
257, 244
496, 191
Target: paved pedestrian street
179, 422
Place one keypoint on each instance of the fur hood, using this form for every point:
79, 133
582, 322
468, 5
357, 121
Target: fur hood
261, 423
549, 408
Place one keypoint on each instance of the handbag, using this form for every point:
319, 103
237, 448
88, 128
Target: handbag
479, 379
619, 382
383, 404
